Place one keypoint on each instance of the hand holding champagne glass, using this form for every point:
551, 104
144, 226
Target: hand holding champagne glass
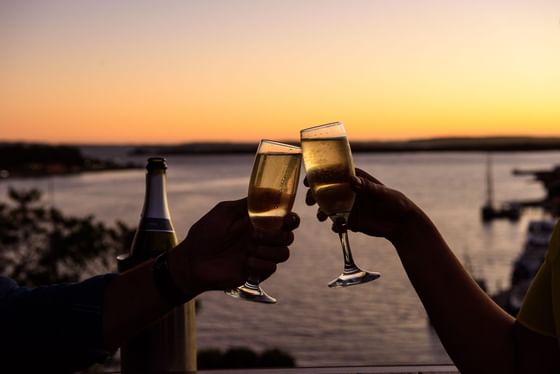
272, 191
329, 167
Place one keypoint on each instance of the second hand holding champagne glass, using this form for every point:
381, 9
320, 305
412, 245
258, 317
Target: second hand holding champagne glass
329, 167
272, 191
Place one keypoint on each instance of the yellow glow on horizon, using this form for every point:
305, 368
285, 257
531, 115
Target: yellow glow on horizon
192, 71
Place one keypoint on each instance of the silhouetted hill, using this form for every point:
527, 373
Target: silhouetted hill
196, 148
25, 159
459, 144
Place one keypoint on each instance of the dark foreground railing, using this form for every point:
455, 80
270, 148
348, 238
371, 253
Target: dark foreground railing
399, 369
396, 369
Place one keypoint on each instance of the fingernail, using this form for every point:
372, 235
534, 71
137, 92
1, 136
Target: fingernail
356, 182
295, 221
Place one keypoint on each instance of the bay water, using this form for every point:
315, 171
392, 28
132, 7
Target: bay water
382, 322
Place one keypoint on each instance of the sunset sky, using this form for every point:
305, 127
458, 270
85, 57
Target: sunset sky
130, 71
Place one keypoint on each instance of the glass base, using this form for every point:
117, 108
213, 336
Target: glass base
250, 292
353, 278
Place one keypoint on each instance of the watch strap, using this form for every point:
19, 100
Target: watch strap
165, 283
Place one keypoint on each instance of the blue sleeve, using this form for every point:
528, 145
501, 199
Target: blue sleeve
55, 328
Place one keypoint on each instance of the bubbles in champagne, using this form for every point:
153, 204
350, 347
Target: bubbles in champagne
272, 189
329, 167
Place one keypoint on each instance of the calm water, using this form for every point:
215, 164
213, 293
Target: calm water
375, 323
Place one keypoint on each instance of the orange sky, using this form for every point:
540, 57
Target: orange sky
178, 71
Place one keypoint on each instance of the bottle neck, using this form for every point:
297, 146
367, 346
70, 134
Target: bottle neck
155, 213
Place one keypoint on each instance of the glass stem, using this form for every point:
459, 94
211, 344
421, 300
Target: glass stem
252, 282
349, 266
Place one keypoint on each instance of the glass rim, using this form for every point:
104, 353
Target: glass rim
325, 125
285, 148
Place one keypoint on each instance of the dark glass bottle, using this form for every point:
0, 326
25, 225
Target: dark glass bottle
155, 232
169, 345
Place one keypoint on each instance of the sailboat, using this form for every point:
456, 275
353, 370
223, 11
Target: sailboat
488, 211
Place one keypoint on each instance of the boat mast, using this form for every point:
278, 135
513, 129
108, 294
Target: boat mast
489, 184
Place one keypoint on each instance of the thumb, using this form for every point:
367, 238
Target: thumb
231, 209
363, 185
230, 216
357, 183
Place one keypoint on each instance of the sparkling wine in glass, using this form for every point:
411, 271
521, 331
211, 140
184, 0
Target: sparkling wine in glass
272, 191
329, 166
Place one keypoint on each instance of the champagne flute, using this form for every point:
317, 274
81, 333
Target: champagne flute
329, 166
272, 191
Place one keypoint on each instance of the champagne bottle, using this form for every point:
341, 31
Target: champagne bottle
155, 232
169, 345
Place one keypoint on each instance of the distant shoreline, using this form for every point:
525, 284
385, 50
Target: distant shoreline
20, 159
31, 160
459, 144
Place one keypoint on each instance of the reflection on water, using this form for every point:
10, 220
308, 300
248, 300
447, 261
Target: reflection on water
212, 184
379, 322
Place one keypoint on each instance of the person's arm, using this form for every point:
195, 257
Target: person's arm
55, 328
66, 327
219, 252
478, 335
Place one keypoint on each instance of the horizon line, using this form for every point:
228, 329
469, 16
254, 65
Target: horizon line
247, 141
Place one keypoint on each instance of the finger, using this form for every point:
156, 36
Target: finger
373, 189
362, 174
273, 238
228, 215
240, 226
339, 226
261, 268
309, 198
233, 208
357, 183
353, 224
291, 222
274, 254
321, 216
360, 184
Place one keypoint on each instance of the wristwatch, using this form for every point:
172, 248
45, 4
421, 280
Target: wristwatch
164, 282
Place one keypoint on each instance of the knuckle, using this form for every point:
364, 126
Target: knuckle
272, 267
290, 238
220, 206
296, 221
285, 255
291, 222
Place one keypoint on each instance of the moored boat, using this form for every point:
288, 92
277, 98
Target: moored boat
526, 264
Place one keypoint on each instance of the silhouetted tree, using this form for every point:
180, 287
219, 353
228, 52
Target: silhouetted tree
244, 358
41, 245
276, 358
